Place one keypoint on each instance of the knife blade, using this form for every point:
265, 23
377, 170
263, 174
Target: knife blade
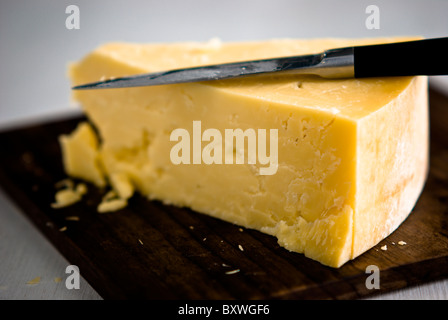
407, 58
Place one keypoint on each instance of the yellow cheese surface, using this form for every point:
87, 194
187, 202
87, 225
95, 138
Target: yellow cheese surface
352, 153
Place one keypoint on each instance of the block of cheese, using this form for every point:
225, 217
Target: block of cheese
348, 158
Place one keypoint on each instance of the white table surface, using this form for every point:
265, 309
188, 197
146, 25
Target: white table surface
35, 47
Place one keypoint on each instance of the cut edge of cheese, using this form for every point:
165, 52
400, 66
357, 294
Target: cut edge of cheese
391, 174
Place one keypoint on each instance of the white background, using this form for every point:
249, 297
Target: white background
35, 47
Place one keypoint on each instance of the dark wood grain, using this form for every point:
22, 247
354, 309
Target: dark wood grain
153, 251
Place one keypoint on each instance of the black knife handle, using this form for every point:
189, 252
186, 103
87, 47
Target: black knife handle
410, 58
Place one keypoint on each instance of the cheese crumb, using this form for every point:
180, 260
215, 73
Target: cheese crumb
69, 195
111, 202
65, 183
81, 189
34, 281
233, 271
72, 218
110, 195
402, 243
384, 247
112, 205
65, 198
241, 247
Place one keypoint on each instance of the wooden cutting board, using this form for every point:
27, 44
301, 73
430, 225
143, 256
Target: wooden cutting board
152, 251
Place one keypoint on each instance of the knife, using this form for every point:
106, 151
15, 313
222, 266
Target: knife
408, 58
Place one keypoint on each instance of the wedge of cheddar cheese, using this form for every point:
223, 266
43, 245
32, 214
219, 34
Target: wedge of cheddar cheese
351, 154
